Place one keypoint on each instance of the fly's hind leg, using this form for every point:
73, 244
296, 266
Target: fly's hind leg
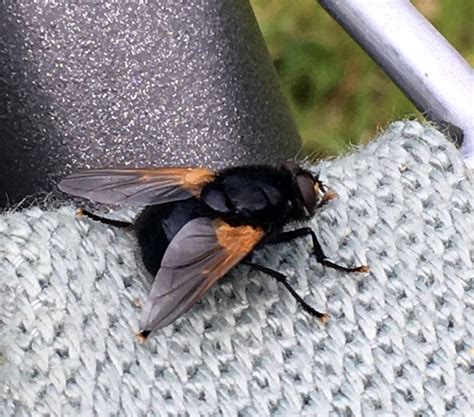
283, 280
116, 223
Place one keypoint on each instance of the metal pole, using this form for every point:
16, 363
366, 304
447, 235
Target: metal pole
134, 84
433, 75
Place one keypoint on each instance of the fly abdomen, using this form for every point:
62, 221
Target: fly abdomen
157, 226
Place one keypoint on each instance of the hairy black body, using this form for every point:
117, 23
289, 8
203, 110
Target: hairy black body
256, 195
198, 224
261, 196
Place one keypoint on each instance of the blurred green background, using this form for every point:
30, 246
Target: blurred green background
337, 94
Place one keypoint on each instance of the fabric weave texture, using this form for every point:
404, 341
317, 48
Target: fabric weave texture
399, 342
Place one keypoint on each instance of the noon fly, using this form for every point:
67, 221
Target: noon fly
197, 224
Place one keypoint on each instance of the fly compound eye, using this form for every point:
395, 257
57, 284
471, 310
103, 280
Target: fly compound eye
308, 192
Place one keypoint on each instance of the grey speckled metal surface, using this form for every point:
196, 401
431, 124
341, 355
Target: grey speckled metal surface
115, 83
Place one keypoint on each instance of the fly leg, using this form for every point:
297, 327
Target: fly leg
284, 280
317, 250
117, 223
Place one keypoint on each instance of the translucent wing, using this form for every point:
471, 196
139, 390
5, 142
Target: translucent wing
137, 187
200, 253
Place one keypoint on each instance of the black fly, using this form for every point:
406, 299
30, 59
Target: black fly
198, 224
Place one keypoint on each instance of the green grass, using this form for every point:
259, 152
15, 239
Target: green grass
336, 93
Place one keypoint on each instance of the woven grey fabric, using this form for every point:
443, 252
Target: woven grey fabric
399, 342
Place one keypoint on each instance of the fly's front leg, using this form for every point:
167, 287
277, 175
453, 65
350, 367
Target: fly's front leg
317, 250
327, 195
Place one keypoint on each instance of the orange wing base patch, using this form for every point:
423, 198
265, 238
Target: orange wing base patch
191, 179
236, 243
196, 178
237, 239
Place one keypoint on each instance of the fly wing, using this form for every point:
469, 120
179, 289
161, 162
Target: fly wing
200, 253
137, 187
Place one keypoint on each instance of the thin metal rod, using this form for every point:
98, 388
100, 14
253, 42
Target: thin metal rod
432, 74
